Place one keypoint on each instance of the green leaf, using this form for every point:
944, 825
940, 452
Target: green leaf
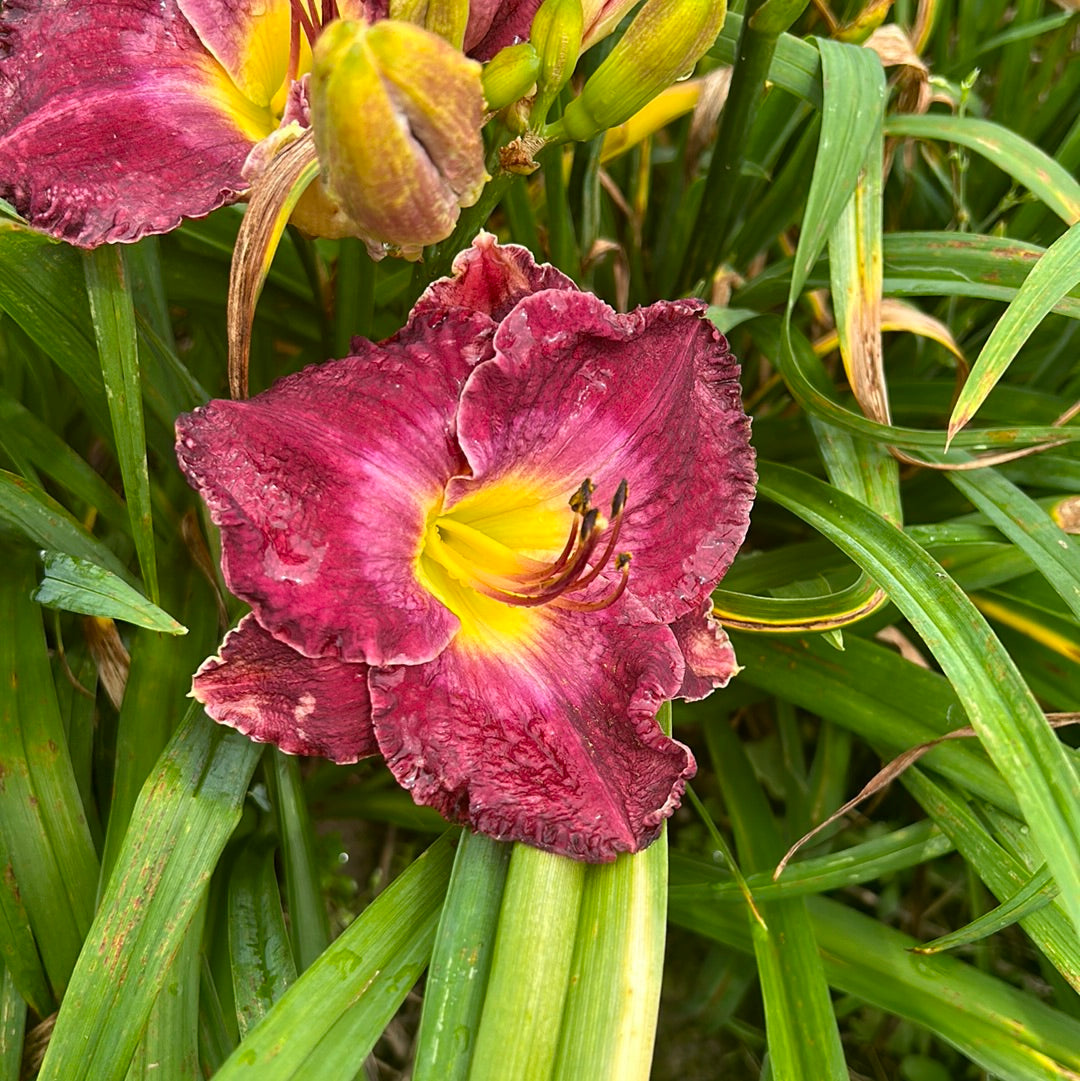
43, 828
1001, 707
457, 980
42, 288
1053, 277
609, 1020
309, 928
262, 961
327, 1022
1038, 892
113, 312
20, 429
34, 513
185, 814
77, 585
906, 847
12, 1026
851, 112
1008, 150
1006, 1031
793, 987
1028, 526
534, 947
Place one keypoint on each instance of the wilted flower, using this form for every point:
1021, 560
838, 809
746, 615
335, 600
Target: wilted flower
485, 549
119, 119
396, 114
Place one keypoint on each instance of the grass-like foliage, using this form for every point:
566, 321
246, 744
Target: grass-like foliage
887, 228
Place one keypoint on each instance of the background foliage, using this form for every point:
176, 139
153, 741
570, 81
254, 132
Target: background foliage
168, 882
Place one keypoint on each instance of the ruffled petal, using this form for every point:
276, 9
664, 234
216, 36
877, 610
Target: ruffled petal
322, 486
272, 694
553, 741
491, 278
494, 24
249, 38
577, 391
707, 650
114, 120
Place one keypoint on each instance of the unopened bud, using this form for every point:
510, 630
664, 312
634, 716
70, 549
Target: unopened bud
556, 33
510, 74
663, 43
448, 19
396, 113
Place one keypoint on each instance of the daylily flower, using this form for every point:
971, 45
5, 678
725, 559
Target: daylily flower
120, 119
484, 548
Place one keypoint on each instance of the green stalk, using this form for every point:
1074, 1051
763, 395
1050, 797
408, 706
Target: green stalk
534, 949
609, 1024
764, 22
461, 960
354, 294
308, 924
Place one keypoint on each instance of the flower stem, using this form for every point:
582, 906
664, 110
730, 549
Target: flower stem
458, 976
534, 947
725, 185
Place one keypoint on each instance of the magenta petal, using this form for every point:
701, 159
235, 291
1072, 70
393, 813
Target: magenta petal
114, 121
652, 397
491, 278
272, 694
710, 658
555, 744
322, 486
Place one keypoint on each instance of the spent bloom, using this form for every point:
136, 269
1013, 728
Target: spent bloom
118, 119
484, 549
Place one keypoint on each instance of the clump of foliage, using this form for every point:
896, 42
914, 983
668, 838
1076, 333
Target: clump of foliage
885, 218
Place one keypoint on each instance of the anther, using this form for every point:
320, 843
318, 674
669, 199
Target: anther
579, 501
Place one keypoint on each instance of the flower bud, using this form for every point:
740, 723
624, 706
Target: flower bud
396, 113
556, 33
448, 19
510, 75
665, 41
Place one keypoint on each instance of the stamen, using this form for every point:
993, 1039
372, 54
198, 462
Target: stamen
579, 501
622, 563
617, 506
303, 17
294, 48
526, 583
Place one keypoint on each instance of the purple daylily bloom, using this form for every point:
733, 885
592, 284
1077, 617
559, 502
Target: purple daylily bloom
120, 118
485, 549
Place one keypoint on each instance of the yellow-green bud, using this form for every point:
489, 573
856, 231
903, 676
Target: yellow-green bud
510, 74
396, 113
448, 19
556, 33
663, 43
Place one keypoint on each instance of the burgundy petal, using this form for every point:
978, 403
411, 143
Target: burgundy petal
491, 278
114, 120
272, 694
652, 397
710, 659
552, 741
494, 24
322, 486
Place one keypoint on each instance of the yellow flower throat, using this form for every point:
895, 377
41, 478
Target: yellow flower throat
505, 550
